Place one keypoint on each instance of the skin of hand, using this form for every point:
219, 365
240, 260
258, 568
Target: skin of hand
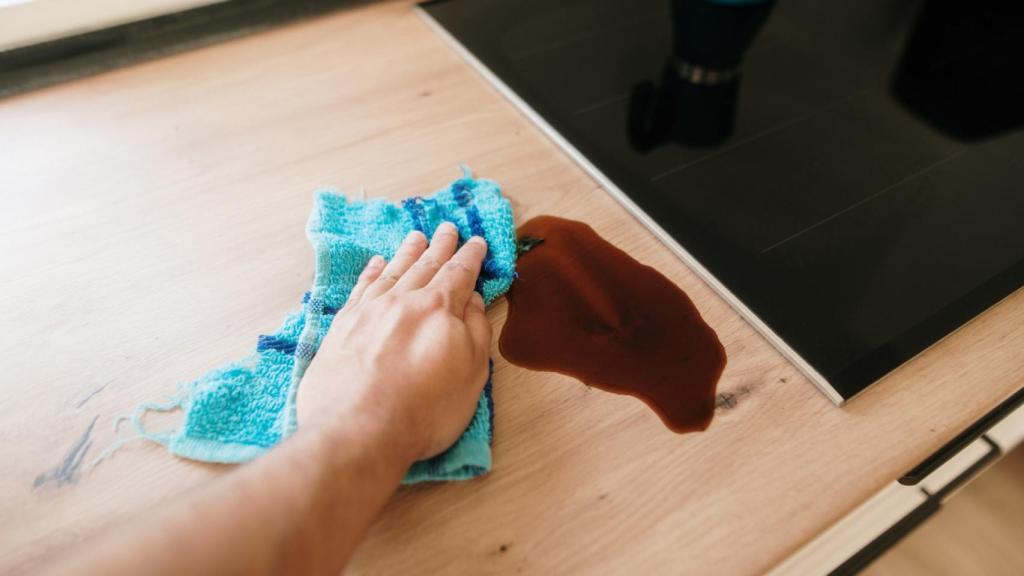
396, 379
409, 348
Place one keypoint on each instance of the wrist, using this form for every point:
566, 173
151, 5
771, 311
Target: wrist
372, 440
361, 416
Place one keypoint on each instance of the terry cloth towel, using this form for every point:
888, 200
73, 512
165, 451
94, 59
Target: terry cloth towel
237, 412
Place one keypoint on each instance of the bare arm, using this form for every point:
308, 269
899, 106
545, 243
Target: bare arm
396, 380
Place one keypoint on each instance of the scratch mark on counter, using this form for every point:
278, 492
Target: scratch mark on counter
67, 471
93, 393
729, 400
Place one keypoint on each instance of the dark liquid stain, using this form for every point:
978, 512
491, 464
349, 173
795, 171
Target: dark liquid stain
586, 309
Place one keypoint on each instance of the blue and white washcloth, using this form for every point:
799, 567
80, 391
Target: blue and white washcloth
237, 412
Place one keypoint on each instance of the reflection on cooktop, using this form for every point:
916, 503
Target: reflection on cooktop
847, 174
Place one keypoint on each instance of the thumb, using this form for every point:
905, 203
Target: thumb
476, 321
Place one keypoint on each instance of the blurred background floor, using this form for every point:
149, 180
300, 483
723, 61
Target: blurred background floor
978, 530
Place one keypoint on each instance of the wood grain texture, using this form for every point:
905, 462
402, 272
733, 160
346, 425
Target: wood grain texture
152, 226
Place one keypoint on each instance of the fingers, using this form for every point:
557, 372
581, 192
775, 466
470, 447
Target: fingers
370, 273
457, 276
410, 251
477, 323
442, 246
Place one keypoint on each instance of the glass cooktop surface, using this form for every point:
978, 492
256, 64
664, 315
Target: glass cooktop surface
850, 175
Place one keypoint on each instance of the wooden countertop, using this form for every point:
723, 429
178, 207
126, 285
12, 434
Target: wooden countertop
152, 226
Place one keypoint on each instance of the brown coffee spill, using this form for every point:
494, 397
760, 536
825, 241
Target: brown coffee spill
584, 308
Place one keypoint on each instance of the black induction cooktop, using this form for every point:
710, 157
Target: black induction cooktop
849, 175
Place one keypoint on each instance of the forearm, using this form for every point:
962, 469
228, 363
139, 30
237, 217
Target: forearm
300, 509
397, 379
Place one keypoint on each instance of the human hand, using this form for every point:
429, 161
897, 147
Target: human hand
407, 355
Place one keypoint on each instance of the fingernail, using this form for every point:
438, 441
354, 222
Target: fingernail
375, 262
478, 240
414, 236
445, 227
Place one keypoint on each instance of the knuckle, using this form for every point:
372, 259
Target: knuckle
434, 299
456, 266
428, 263
387, 301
